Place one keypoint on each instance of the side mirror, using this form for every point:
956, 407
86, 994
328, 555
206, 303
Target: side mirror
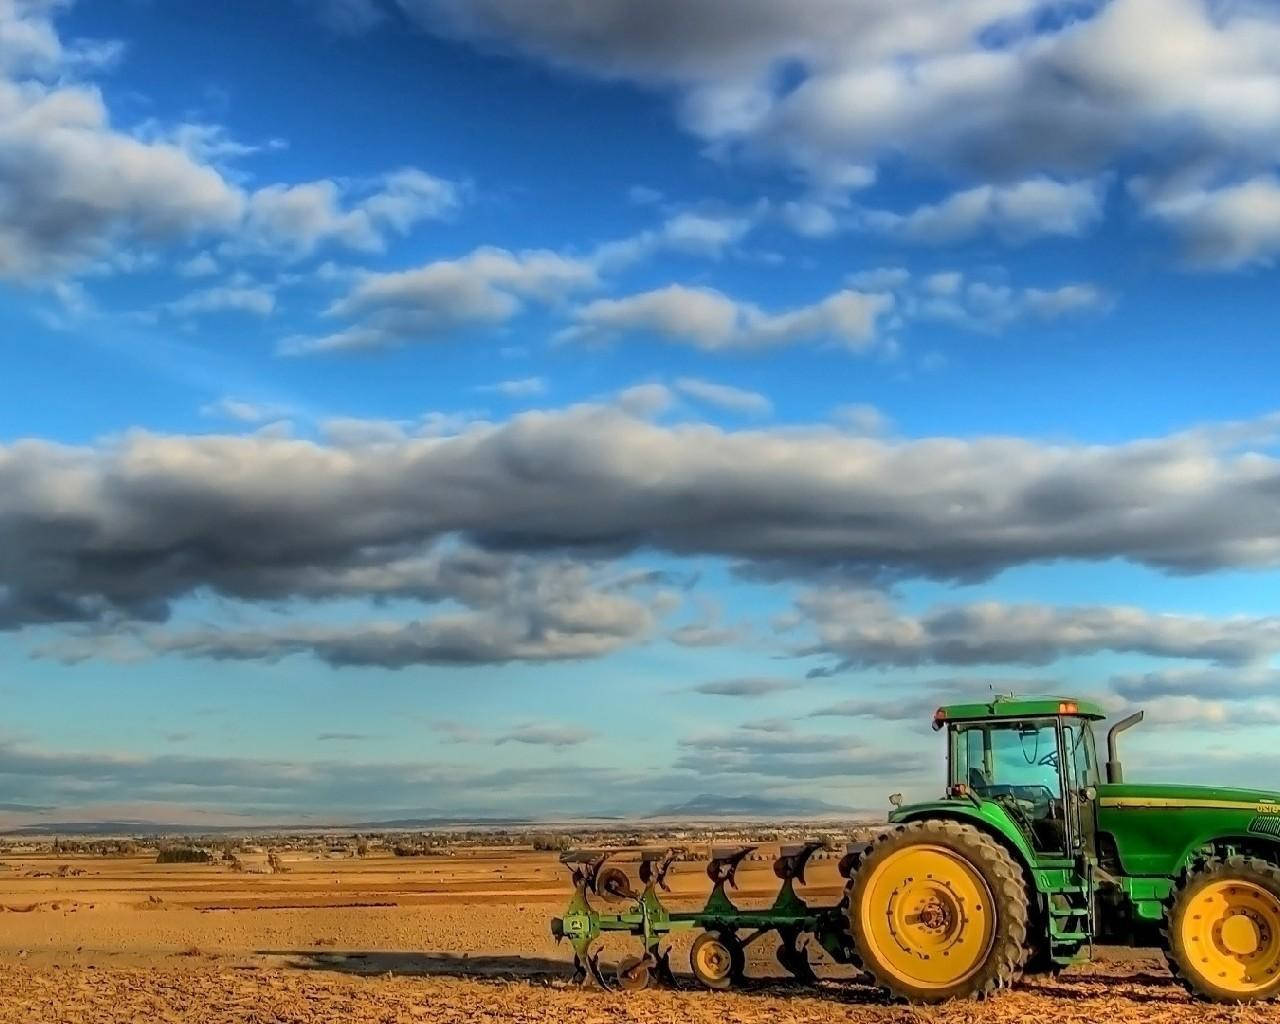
895, 799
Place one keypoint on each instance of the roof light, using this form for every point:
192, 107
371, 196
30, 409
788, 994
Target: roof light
1068, 707
939, 718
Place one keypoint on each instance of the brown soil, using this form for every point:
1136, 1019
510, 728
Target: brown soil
461, 938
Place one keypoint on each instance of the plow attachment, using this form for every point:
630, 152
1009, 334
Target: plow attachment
717, 958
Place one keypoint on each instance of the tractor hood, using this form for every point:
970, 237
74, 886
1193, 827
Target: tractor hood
1136, 795
1157, 829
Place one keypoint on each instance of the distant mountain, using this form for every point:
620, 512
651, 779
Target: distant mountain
708, 805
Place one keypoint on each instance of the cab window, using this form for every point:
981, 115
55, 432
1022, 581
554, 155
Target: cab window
1016, 764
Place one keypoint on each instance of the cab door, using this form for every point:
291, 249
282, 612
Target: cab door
1079, 765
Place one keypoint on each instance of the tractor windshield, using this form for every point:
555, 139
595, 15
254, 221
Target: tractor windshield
1017, 764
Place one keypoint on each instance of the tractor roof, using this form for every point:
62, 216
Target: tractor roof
1006, 706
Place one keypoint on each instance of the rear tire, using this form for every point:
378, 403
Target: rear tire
938, 910
1222, 932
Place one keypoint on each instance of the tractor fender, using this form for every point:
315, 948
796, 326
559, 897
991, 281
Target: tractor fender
987, 817
1265, 847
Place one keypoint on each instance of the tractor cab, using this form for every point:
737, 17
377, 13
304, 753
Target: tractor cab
1034, 757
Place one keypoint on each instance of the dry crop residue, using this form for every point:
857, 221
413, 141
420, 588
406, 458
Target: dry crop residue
210, 994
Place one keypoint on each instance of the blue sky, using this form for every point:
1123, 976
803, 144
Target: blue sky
532, 407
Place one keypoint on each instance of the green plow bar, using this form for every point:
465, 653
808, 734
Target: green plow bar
718, 956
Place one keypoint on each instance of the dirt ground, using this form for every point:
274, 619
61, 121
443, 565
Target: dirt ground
458, 938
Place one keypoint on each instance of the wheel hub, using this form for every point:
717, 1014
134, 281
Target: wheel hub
1240, 935
935, 916
714, 959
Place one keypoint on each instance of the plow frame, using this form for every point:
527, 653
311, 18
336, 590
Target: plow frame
647, 918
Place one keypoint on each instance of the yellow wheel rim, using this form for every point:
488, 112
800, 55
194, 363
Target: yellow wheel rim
927, 917
1231, 936
713, 961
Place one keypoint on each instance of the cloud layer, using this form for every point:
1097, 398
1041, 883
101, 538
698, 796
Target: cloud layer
124, 528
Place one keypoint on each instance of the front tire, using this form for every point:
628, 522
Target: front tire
1222, 936
938, 910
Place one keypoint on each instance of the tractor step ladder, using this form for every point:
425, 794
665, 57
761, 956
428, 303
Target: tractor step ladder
1069, 924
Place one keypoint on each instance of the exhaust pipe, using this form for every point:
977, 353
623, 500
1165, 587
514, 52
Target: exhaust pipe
1115, 770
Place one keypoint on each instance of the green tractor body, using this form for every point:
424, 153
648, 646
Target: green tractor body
1031, 857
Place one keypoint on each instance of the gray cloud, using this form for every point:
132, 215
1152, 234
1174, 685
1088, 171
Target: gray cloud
862, 628
535, 734
984, 303
723, 396
544, 612
977, 86
77, 192
1228, 227
1210, 683
790, 755
746, 687
546, 734
43, 780
916, 702
124, 528
709, 320
1016, 212
485, 287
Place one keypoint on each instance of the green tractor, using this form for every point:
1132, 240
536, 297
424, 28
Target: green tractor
1030, 858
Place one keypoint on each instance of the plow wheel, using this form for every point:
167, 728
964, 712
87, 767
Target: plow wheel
1223, 936
938, 910
634, 973
794, 960
717, 960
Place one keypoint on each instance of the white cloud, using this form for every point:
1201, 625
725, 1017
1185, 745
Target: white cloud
1226, 228
861, 628
241, 411
258, 301
487, 286
989, 306
350, 17
712, 321
645, 400
879, 279
78, 192
698, 234
723, 396
201, 265
810, 219
73, 189
643, 195
863, 418
261, 518
298, 219
986, 87
522, 387
1016, 213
